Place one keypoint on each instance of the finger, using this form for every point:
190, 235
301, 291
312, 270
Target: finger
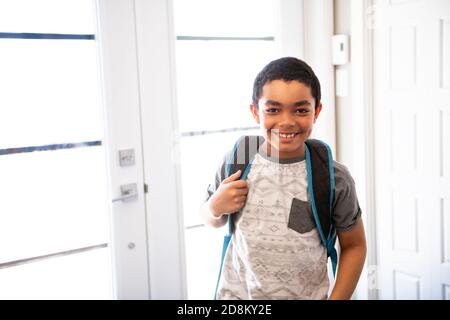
243, 199
239, 199
233, 177
237, 207
238, 184
240, 192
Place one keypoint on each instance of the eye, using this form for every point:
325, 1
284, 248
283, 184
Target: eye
271, 110
302, 111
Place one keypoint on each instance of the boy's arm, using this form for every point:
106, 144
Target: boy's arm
351, 261
229, 197
209, 217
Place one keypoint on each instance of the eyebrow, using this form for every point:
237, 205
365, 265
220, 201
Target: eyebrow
300, 103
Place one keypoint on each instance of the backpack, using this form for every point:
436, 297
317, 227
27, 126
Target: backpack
320, 173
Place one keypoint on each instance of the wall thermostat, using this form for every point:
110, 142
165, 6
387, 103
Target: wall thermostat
341, 49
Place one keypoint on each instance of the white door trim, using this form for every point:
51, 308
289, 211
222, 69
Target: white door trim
363, 138
159, 121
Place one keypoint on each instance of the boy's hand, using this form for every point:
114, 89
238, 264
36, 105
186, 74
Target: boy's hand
230, 197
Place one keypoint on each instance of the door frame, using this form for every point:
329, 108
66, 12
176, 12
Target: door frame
363, 137
155, 37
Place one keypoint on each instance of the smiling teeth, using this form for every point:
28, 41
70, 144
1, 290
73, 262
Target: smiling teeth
284, 135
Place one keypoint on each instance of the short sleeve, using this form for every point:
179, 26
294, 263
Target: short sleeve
346, 210
218, 178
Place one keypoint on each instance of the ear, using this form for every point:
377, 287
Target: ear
255, 112
317, 112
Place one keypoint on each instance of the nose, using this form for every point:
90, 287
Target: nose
286, 120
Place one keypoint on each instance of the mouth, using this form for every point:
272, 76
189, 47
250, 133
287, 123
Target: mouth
285, 137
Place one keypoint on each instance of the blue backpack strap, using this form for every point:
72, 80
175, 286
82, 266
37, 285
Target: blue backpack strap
241, 158
320, 171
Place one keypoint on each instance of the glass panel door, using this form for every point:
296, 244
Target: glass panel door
54, 215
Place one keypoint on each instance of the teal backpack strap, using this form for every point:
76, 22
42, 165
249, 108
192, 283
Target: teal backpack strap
320, 172
241, 158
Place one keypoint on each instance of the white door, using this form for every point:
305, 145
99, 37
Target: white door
136, 54
117, 50
412, 147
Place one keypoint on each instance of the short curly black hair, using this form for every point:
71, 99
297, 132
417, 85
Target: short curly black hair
287, 69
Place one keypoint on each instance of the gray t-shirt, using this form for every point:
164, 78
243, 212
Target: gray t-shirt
275, 251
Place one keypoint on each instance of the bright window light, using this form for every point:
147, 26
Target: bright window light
221, 47
54, 224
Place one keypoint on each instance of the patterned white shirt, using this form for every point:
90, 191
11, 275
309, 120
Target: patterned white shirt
275, 251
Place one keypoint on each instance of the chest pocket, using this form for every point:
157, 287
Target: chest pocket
300, 216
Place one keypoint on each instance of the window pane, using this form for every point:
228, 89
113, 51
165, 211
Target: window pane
215, 82
249, 18
52, 201
50, 92
84, 275
200, 158
47, 16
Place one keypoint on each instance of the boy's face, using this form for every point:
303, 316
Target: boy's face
286, 114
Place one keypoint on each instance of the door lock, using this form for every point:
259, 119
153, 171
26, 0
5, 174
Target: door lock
128, 192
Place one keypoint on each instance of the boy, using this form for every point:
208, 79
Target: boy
275, 251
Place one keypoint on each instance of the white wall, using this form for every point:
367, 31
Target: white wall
318, 31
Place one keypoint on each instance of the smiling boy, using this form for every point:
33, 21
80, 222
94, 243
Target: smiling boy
275, 250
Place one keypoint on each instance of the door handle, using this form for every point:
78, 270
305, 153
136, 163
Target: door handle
127, 192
